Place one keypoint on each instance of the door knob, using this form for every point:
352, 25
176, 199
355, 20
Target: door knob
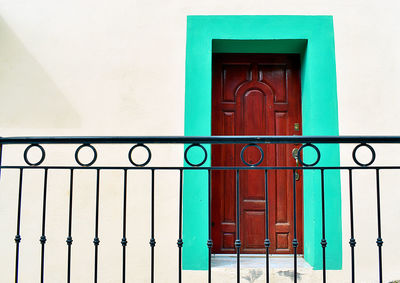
295, 152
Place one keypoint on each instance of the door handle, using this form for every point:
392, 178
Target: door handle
295, 152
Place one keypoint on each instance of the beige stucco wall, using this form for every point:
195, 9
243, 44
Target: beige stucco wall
118, 68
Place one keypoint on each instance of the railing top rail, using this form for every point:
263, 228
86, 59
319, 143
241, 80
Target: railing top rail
197, 139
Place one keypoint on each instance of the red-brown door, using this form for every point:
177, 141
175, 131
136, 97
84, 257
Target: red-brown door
255, 94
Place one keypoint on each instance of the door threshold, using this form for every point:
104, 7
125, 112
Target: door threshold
276, 261
258, 255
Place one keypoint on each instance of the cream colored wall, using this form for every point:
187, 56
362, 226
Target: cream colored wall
118, 68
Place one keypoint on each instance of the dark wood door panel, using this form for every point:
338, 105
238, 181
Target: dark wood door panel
255, 94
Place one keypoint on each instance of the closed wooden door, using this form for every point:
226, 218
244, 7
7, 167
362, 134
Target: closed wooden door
256, 94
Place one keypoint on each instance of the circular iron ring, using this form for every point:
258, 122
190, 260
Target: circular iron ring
259, 149
26, 155
316, 150
372, 152
187, 150
77, 153
148, 157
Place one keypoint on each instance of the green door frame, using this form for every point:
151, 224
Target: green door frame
313, 38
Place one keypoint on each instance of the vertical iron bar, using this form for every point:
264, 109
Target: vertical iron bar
379, 241
43, 237
267, 243
294, 242
323, 241
352, 241
209, 242
17, 235
96, 240
1, 156
152, 240
180, 242
124, 241
237, 242
69, 238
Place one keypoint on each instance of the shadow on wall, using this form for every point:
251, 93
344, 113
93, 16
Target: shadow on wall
29, 96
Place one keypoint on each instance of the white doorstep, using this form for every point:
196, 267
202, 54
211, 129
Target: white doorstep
252, 269
257, 261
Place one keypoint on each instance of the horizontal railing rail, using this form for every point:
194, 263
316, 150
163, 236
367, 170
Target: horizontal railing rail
199, 139
310, 142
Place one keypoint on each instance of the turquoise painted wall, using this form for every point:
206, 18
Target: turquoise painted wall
311, 36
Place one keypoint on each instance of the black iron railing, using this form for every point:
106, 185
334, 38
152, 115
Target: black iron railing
311, 142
